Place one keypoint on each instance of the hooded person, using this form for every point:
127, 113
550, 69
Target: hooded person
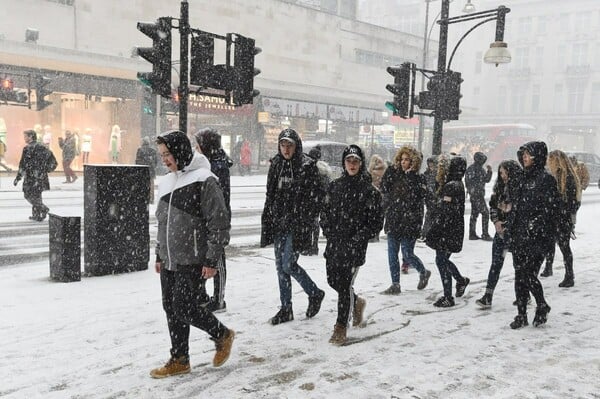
476, 178
533, 230
292, 203
350, 217
193, 229
325, 174
208, 141
448, 226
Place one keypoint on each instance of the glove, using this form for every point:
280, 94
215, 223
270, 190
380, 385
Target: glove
16, 181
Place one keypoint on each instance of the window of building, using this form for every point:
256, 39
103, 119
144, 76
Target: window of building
535, 98
582, 21
558, 99
541, 24
524, 25
564, 21
575, 97
539, 59
522, 58
579, 54
561, 56
595, 103
517, 100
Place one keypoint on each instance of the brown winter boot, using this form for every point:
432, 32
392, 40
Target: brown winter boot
339, 335
174, 366
223, 346
358, 313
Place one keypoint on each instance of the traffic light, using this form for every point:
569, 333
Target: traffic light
7, 85
203, 57
402, 89
41, 91
243, 64
159, 55
429, 99
449, 106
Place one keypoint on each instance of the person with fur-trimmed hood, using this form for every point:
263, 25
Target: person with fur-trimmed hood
193, 229
351, 215
476, 178
404, 191
208, 142
294, 193
533, 228
448, 227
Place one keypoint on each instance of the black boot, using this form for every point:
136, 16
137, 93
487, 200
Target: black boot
485, 302
567, 282
541, 315
284, 315
547, 271
314, 304
519, 321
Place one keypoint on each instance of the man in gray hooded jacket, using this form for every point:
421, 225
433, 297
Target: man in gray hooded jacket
193, 228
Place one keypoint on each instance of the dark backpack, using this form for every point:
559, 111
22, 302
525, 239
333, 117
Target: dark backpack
51, 163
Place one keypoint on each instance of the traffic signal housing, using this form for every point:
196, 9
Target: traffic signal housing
159, 55
41, 91
402, 89
449, 106
243, 65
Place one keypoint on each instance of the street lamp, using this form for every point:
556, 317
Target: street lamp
498, 52
469, 7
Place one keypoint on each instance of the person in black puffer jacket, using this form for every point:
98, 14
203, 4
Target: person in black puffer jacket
475, 179
209, 143
294, 194
532, 227
448, 227
351, 216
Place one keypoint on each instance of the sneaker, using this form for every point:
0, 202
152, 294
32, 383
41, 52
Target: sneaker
547, 271
174, 366
223, 346
486, 237
284, 315
541, 315
528, 301
314, 304
394, 289
216, 306
461, 287
424, 279
358, 312
444, 302
474, 237
485, 302
339, 335
519, 321
567, 282
404, 268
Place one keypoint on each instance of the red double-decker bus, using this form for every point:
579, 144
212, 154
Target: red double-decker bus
497, 141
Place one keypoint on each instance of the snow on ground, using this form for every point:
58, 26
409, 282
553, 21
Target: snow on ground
100, 337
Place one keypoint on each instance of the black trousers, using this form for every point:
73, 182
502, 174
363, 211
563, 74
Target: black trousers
564, 243
180, 297
479, 207
34, 197
527, 267
341, 278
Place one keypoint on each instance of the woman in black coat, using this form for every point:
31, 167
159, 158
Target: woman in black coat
569, 188
448, 228
351, 216
532, 227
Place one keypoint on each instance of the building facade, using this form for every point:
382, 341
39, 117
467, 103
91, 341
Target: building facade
316, 66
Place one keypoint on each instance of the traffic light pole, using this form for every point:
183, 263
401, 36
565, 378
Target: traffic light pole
438, 122
183, 90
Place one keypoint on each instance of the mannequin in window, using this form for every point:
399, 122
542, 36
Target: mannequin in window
114, 144
86, 145
47, 136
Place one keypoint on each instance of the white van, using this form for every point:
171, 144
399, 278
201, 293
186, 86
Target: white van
331, 152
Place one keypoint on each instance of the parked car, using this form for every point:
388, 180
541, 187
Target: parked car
592, 161
331, 152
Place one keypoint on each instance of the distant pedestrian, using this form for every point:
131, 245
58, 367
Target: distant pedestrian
208, 142
377, 168
581, 170
245, 158
69, 152
532, 230
36, 162
501, 204
476, 178
3, 154
293, 200
569, 188
325, 175
351, 215
193, 228
146, 155
448, 227
404, 191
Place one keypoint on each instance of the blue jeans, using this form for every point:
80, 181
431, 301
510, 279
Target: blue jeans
448, 270
286, 262
408, 255
498, 254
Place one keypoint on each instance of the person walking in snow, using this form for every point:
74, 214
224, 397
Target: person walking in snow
351, 215
448, 227
505, 189
569, 188
294, 194
404, 191
532, 227
193, 228
209, 143
147, 155
325, 174
476, 178
69, 152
